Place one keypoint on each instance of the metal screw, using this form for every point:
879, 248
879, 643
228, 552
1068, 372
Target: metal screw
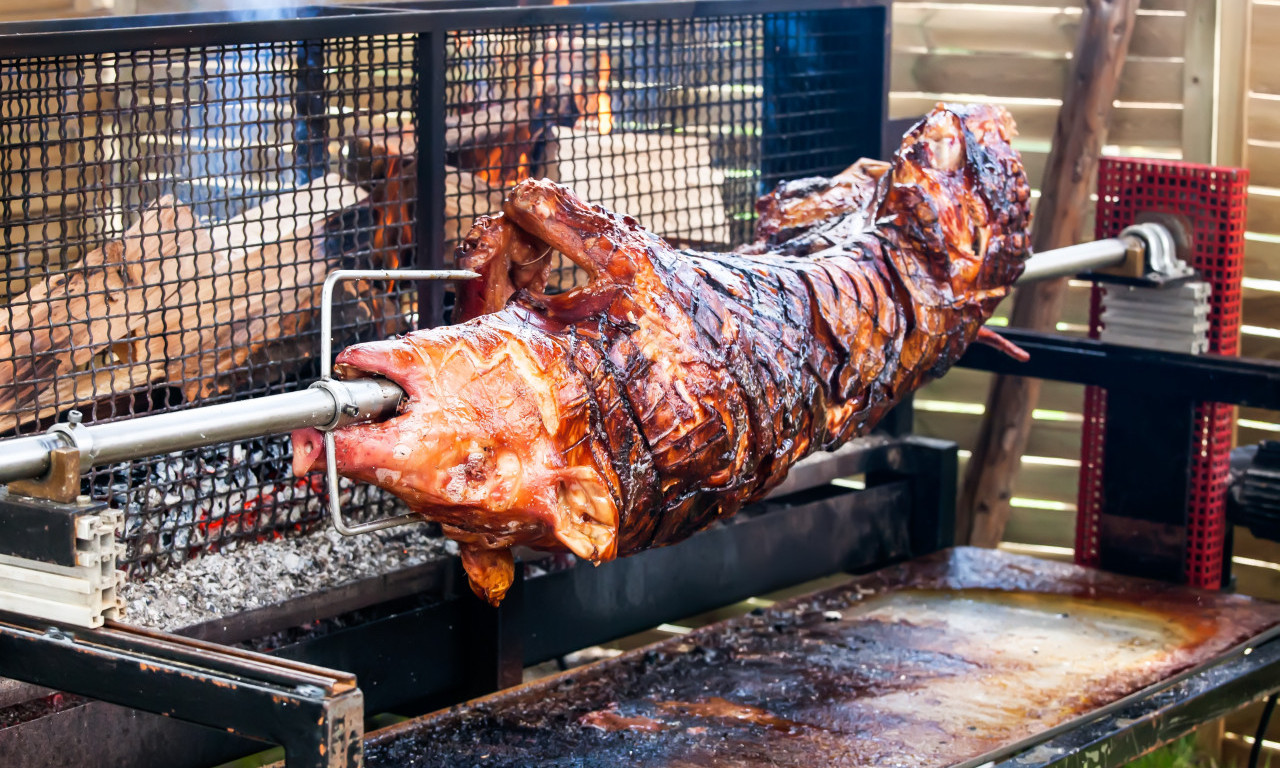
84, 500
75, 417
311, 691
350, 409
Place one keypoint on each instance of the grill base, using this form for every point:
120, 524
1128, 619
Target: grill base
959, 658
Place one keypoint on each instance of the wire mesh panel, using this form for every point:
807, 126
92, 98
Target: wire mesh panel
169, 217
1212, 202
681, 123
170, 210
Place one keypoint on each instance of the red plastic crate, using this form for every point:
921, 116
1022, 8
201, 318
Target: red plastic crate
1212, 201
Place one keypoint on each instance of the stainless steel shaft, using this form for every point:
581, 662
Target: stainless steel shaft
1074, 259
335, 403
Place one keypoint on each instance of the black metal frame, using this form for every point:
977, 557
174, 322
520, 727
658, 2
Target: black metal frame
1152, 398
1144, 522
316, 714
41, 530
1194, 378
477, 649
811, 530
310, 31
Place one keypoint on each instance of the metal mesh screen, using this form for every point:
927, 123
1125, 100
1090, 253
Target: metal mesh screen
169, 214
681, 123
1212, 200
169, 217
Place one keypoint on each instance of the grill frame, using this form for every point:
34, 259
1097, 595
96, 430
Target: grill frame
427, 25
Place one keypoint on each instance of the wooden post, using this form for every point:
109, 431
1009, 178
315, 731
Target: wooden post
1199, 85
1231, 92
1103, 43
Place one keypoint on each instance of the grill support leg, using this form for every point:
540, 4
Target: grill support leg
931, 469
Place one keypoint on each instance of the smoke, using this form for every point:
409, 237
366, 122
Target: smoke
249, 10
239, 10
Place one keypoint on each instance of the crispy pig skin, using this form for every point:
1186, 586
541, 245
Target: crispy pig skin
677, 386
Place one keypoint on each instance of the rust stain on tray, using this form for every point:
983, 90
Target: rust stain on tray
925, 664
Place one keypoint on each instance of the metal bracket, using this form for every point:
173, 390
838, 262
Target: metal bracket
60, 484
58, 561
326, 376
316, 714
1158, 253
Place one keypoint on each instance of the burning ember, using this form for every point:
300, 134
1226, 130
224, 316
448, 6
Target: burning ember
604, 104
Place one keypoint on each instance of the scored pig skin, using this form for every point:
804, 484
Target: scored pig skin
676, 386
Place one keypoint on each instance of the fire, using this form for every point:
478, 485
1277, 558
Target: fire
522, 169
496, 172
603, 101
490, 170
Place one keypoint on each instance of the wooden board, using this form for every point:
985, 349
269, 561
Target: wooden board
667, 182
87, 333
1265, 47
1263, 161
963, 385
1041, 527
271, 264
1157, 127
1063, 5
35, 10
1054, 439
1264, 117
1004, 75
1039, 30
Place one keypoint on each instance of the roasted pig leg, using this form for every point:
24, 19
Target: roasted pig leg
677, 386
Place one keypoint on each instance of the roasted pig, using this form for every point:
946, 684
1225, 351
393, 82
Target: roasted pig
677, 386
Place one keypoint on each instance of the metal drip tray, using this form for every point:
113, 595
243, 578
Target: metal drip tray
954, 659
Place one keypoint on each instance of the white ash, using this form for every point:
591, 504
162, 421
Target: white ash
247, 575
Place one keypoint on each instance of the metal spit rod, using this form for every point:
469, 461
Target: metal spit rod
1074, 259
1149, 241
326, 405
331, 403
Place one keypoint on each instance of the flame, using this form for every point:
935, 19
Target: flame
522, 169
493, 171
490, 169
603, 101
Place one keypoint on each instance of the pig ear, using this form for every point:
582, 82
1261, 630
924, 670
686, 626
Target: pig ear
587, 234
506, 258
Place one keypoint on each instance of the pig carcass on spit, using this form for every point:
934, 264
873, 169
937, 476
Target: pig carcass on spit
677, 386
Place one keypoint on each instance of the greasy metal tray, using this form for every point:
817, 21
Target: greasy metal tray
954, 659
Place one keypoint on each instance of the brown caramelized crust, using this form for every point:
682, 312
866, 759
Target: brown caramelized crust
677, 386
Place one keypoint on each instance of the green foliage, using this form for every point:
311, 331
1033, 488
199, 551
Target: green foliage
1180, 754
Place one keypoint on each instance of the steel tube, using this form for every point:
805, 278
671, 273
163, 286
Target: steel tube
1074, 259
367, 399
26, 457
